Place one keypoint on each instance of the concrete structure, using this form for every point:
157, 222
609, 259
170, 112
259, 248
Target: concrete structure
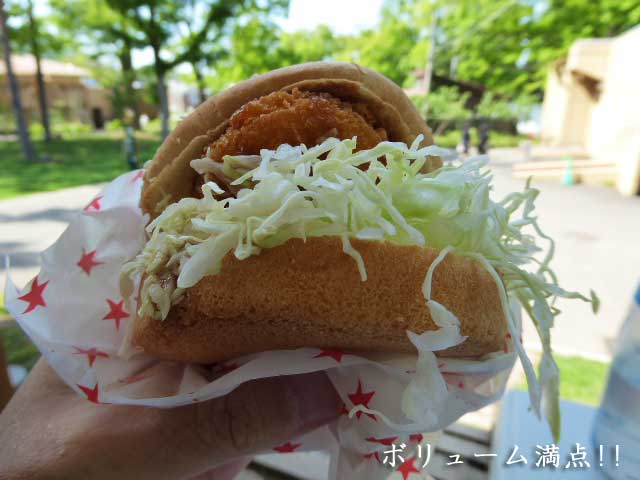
71, 92
592, 101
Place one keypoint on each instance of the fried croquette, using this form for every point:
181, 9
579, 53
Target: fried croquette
295, 118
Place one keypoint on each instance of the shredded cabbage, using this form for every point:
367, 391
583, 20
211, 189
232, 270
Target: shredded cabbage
293, 193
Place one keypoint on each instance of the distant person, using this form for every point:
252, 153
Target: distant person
130, 148
466, 137
483, 134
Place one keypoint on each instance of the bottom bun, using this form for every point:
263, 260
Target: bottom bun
309, 294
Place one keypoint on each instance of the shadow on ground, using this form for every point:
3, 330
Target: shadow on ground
64, 215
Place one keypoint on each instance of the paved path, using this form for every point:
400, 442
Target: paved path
596, 229
597, 233
30, 223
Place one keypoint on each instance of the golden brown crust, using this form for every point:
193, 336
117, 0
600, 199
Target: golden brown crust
310, 295
295, 118
168, 172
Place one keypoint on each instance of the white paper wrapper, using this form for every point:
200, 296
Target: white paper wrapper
75, 313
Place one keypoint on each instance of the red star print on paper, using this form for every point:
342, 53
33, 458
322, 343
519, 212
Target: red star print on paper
335, 354
34, 297
387, 442
362, 398
407, 468
91, 393
287, 447
344, 410
116, 312
91, 353
369, 456
137, 176
94, 204
88, 261
416, 437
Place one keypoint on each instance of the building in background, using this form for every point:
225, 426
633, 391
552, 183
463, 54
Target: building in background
72, 94
592, 102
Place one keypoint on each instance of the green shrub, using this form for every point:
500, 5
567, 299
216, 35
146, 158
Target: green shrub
114, 125
36, 130
445, 103
153, 126
72, 129
491, 106
452, 138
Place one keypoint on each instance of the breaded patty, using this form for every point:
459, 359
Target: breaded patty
295, 118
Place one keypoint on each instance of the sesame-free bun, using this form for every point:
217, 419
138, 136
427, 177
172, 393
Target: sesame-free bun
169, 177
310, 294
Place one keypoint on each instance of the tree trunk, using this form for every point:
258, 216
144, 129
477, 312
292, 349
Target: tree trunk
431, 59
42, 93
162, 93
23, 132
129, 76
164, 103
199, 81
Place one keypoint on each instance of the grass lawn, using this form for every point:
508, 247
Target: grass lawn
99, 157
581, 380
17, 346
90, 158
452, 138
3, 310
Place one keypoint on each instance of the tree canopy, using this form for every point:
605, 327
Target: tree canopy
503, 46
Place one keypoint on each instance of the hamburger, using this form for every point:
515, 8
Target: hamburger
307, 207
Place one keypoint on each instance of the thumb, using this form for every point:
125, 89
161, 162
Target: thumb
258, 415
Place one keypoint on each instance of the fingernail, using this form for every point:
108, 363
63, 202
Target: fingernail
317, 400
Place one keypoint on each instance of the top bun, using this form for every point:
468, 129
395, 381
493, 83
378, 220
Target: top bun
169, 177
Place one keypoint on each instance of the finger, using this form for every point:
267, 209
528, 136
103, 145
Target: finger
182, 442
262, 414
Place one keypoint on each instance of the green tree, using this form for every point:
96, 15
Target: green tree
386, 47
486, 40
253, 45
100, 31
158, 21
308, 45
23, 132
28, 36
444, 105
209, 53
492, 106
507, 45
559, 23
